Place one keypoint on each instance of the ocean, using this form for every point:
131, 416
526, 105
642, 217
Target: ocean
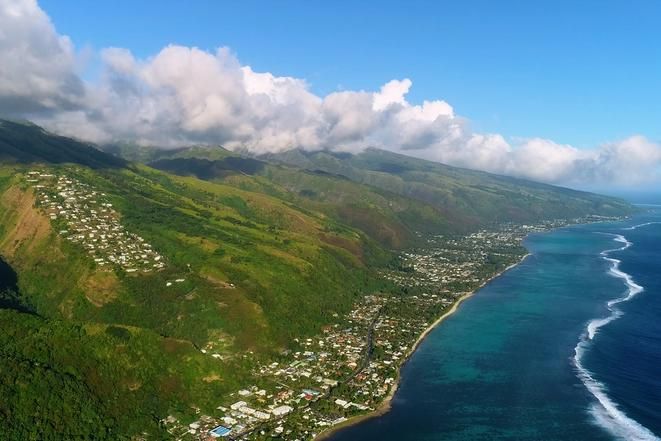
565, 346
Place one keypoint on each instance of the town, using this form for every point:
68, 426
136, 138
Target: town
351, 367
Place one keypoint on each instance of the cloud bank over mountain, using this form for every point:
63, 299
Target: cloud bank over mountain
184, 95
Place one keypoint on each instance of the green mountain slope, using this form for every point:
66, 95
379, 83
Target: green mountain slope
244, 272
28, 143
392, 198
386, 217
134, 293
467, 198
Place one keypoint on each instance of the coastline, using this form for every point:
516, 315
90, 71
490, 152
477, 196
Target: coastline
384, 406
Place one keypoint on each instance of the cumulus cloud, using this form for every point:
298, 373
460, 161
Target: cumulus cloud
38, 70
184, 95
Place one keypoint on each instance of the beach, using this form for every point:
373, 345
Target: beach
384, 406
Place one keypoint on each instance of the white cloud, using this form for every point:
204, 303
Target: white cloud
546, 160
119, 60
187, 95
391, 93
38, 71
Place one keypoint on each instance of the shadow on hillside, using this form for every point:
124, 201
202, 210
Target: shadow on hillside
26, 143
9, 296
207, 169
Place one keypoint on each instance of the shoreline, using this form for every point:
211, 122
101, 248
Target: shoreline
384, 406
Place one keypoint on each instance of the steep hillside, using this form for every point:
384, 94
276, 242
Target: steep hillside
54, 351
24, 142
392, 197
134, 293
139, 153
275, 258
386, 217
90, 308
467, 198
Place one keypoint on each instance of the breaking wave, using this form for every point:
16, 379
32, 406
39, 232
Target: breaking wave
635, 227
605, 411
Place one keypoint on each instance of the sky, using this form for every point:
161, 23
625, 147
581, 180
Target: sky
558, 91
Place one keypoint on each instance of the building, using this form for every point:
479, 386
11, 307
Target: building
220, 431
281, 410
238, 405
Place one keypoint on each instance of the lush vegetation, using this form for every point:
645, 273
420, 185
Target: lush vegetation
391, 197
63, 379
266, 252
257, 272
466, 198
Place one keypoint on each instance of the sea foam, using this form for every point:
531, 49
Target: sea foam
635, 227
605, 411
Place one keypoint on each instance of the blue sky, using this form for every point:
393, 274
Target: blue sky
564, 92
577, 72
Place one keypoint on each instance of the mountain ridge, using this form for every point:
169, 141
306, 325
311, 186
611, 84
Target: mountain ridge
151, 289
24, 142
465, 199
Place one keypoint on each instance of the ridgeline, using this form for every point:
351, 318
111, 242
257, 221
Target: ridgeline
151, 284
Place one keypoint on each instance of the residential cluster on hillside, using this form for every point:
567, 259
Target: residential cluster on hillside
85, 216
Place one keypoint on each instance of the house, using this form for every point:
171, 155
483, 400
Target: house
238, 405
220, 431
342, 403
281, 410
247, 410
262, 415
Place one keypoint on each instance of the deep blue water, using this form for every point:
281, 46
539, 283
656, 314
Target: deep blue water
516, 362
